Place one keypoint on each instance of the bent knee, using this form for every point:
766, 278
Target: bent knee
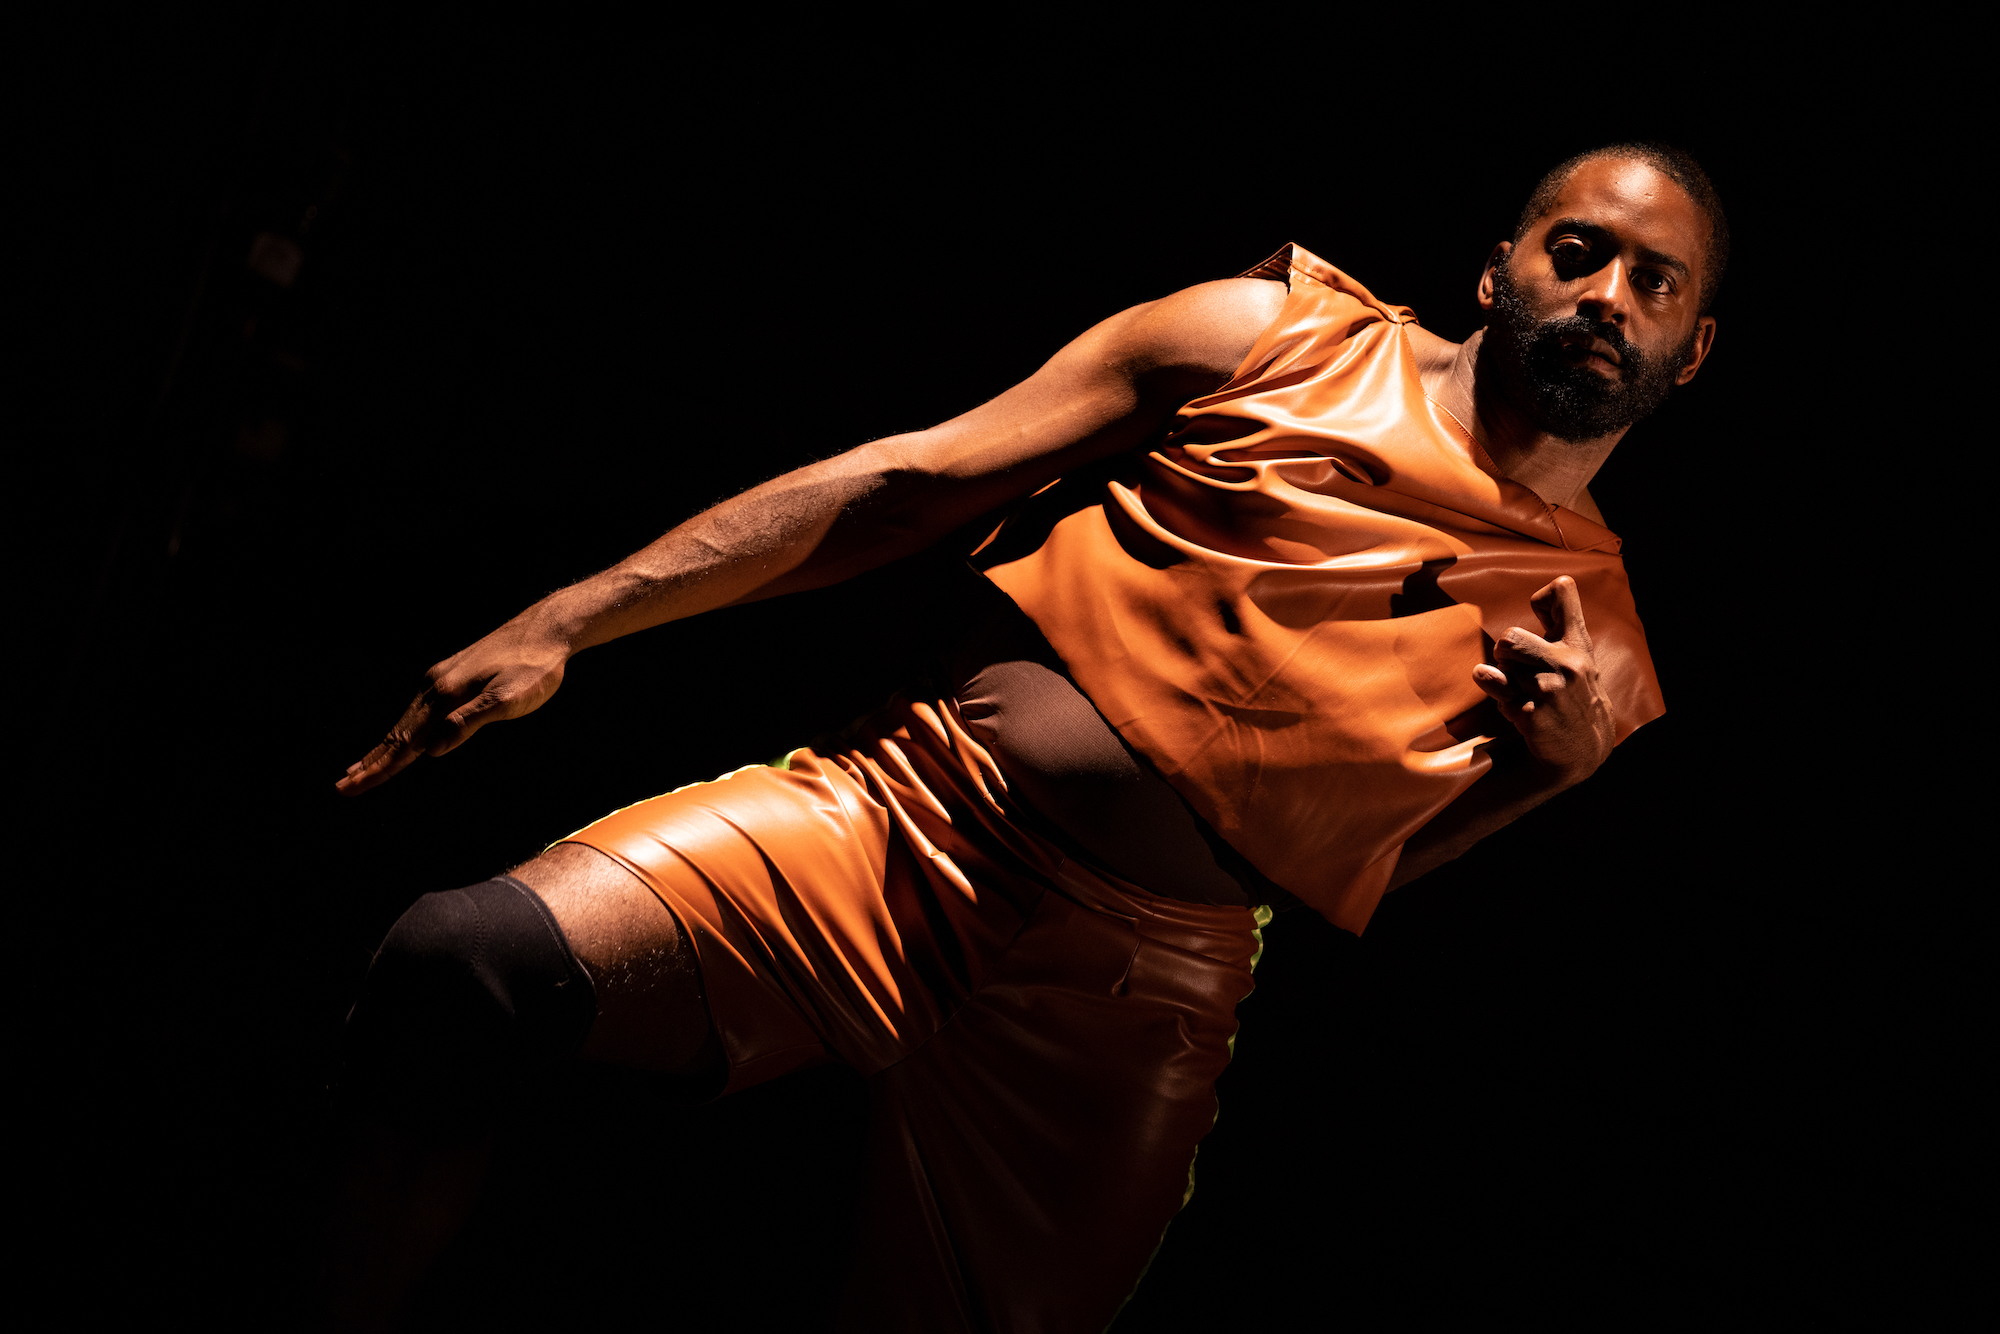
472, 991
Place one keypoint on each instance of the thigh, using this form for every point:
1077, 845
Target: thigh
827, 920
650, 1011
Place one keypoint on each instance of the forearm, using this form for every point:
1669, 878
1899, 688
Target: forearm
1515, 785
1105, 392
808, 528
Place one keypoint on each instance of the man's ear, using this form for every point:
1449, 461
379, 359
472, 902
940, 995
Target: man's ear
1493, 261
1704, 339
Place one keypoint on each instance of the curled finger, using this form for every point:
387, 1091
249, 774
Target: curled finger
390, 756
395, 752
1518, 645
1560, 608
1501, 689
457, 727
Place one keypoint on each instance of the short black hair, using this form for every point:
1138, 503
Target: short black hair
1676, 165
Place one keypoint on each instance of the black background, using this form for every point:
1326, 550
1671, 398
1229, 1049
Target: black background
1637, 1058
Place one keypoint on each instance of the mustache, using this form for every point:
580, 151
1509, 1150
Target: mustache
1549, 335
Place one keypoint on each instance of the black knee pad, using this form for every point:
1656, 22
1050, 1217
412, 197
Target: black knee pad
473, 992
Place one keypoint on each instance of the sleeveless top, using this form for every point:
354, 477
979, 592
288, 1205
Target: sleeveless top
1281, 604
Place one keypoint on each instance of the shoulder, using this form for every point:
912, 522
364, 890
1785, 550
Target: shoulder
1209, 327
1434, 355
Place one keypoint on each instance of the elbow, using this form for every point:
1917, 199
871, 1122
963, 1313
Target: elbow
906, 495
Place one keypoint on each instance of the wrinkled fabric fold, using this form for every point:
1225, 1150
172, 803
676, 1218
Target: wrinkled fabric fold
1281, 604
1042, 1038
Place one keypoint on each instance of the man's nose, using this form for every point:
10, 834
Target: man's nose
1607, 298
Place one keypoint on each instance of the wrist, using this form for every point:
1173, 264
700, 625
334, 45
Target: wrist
1554, 776
562, 621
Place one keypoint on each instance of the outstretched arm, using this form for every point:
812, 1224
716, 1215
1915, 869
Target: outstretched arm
1547, 687
1105, 392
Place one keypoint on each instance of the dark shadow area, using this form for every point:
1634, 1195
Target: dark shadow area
611, 1201
387, 332
1420, 591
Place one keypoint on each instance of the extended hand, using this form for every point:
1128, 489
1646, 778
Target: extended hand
512, 671
1547, 686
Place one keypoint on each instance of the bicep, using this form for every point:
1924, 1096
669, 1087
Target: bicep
1106, 391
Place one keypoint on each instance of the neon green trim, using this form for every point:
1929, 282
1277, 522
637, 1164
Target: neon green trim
1262, 913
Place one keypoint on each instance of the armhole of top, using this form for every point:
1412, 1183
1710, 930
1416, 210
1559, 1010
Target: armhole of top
1278, 266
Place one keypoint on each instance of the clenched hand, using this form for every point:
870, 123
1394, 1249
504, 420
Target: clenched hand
511, 672
1547, 686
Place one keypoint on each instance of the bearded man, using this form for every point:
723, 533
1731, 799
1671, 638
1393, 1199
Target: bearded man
1251, 631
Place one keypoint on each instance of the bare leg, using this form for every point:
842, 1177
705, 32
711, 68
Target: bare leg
403, 1196
650, 1013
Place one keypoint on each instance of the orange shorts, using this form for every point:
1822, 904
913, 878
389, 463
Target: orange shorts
1042, 1040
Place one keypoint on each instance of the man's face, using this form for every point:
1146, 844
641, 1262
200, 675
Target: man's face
1595, 311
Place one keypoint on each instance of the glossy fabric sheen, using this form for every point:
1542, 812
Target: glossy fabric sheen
1281, 605
1042, 1039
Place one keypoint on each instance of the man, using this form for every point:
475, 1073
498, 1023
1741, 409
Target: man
1250, 632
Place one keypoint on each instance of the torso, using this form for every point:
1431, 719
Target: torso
1281, 604
1092, 793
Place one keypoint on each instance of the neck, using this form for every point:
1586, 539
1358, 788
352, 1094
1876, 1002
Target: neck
1555, 469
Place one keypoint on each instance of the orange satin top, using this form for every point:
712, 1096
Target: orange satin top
1281, 605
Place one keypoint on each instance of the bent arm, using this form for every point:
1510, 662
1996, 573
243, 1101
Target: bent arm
1549, 689
1105, 392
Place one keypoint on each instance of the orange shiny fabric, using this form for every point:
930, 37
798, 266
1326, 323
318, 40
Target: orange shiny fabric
1281, 605
1042, 1040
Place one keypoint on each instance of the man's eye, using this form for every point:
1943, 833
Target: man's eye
1652, 281
1571, 258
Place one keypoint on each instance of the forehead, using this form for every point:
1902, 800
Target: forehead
1636, 202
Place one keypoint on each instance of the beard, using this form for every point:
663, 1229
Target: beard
1567, 399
